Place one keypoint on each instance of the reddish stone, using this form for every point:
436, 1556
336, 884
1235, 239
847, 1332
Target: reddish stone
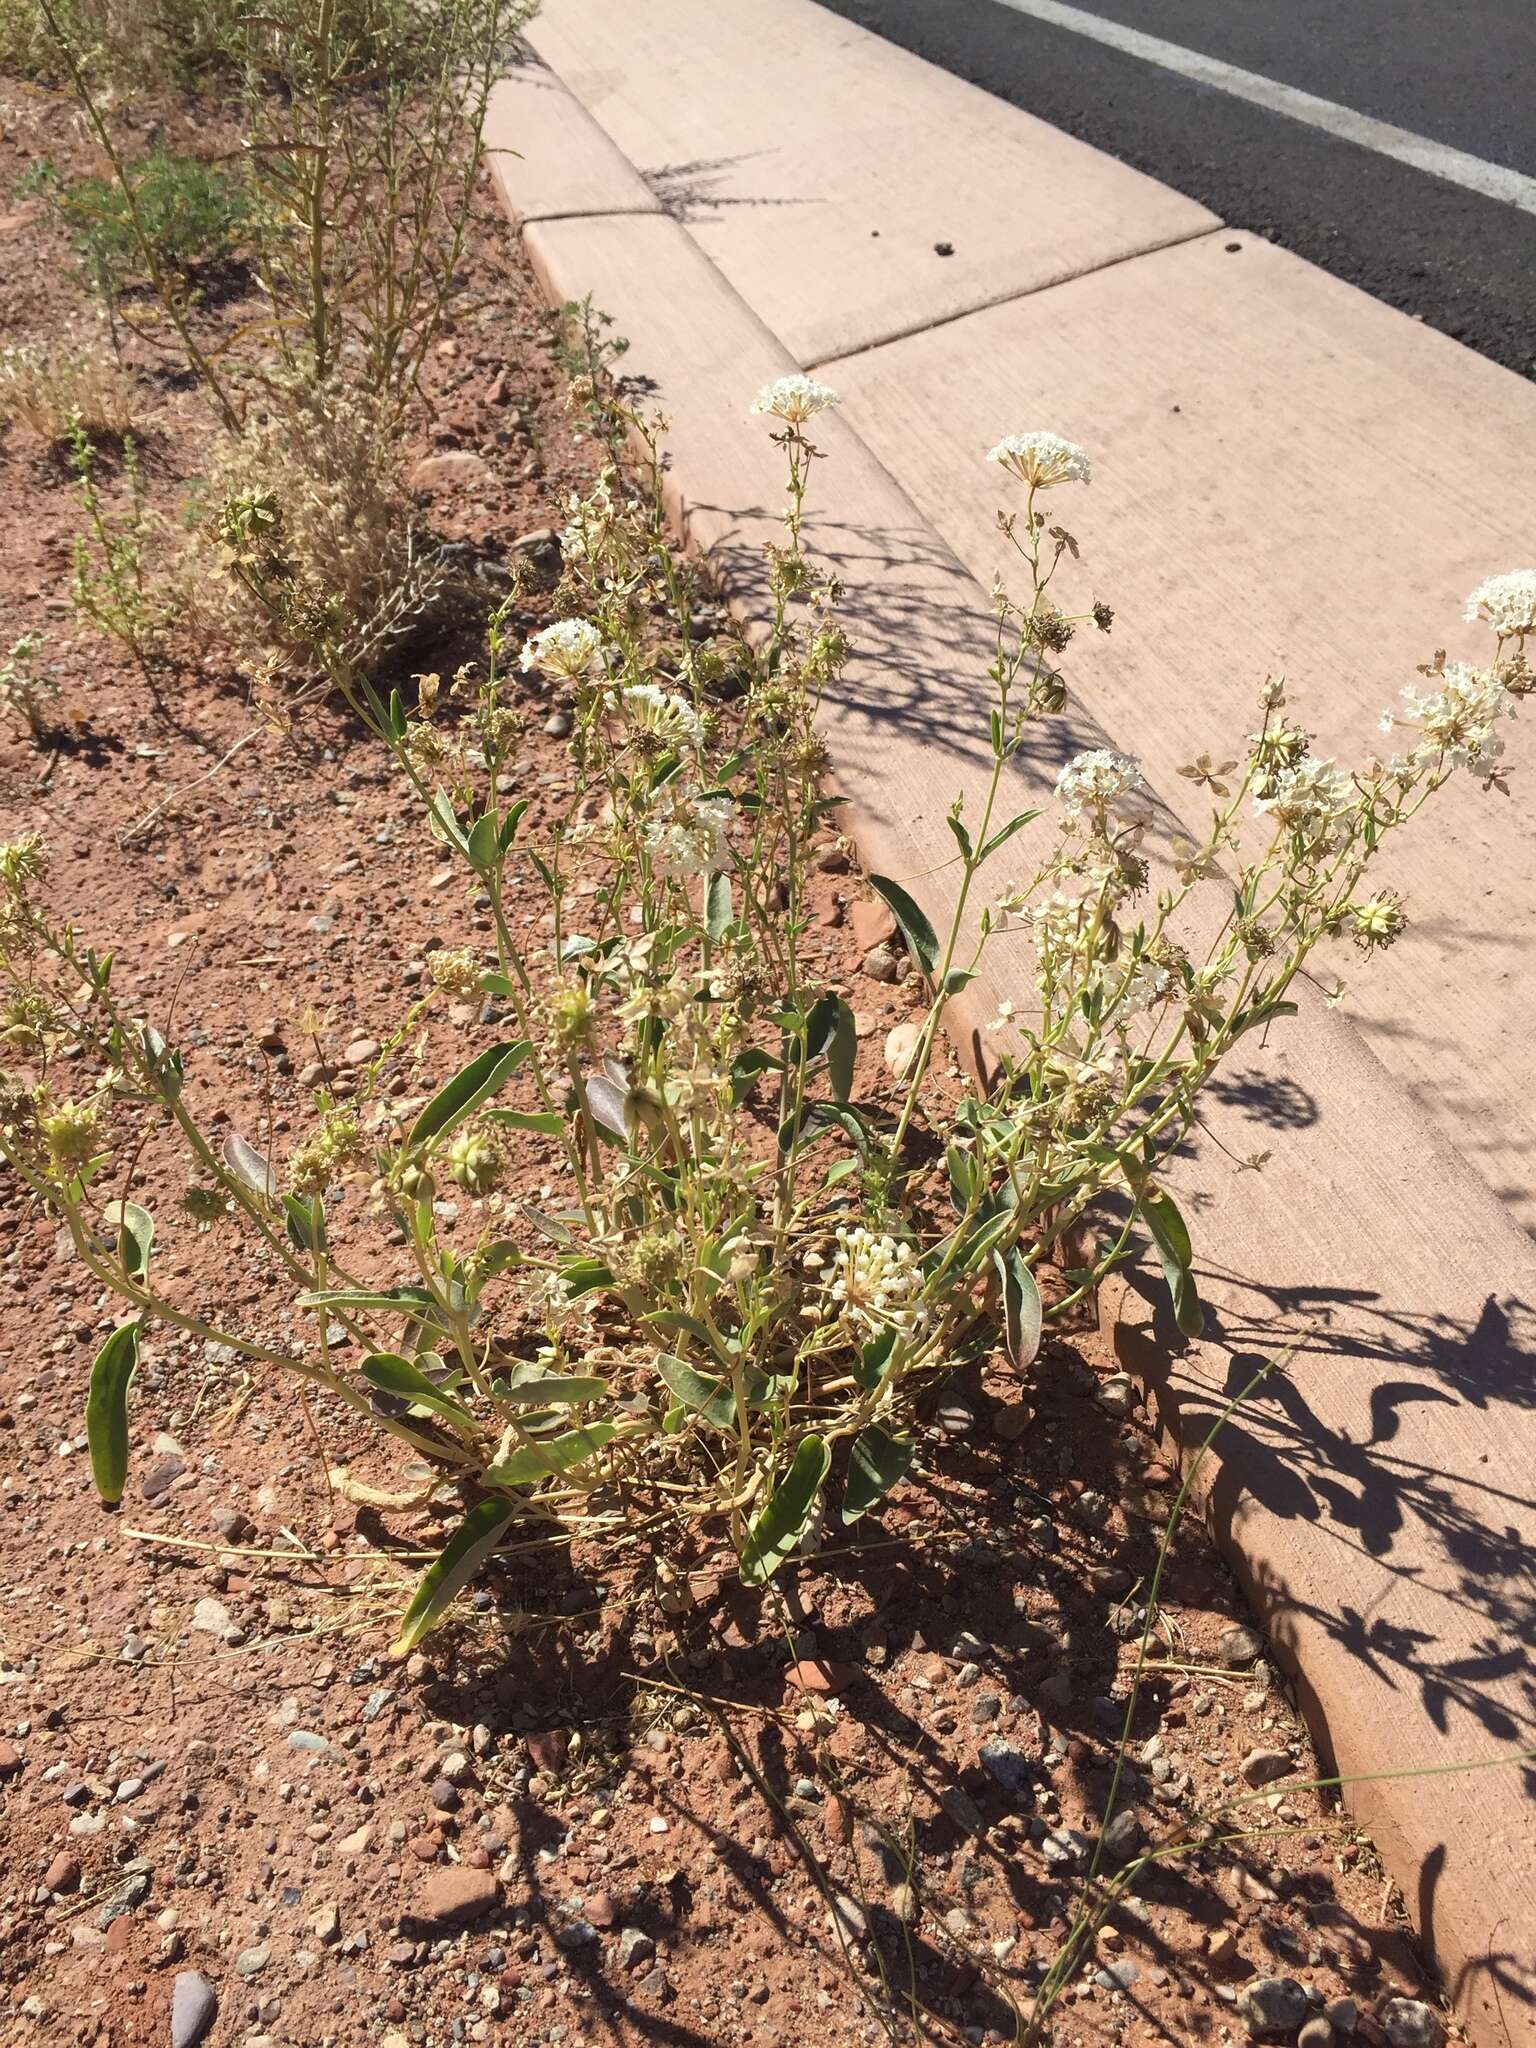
547, 1749
819, 1675
10, 1759
453, 1897
62, 1874
873, 924
601, 1909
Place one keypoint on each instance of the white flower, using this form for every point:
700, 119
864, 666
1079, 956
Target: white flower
1041, 459
1457, 721
687, 836
1310, 797
795, 399
1145, 986
1507, 603
1096, 780
1004, 1017
570, 649
663, 714
875, 1282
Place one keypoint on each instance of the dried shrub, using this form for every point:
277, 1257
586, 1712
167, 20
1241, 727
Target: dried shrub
319, 565
52, 391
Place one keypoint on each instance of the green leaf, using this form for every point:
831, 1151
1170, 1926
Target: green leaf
1170, 1234
106, 1411
392, 1374
135, 1229
471, 1086
306, 1221
585, 1276
786, 1513
1005, 833
717, 905
548, 1123
962, 837
511, 821
714, 1399
248, 1165
415, 1302
915, 928
532, 1462
1021, 1305
746, 1068
553, 1390
471, 1545
445, 824
876, 1463
874, 1358
484, 841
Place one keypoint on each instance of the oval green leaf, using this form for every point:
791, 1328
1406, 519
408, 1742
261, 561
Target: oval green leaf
135, 1229
786, 1513
106, 1411
915, 928
392, 1374
471, 1086
876, 1463
470, 1546
532, 1462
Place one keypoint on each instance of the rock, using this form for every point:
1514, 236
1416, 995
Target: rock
307, 1741
212, 1618
131, 1893
1221, 1947
904, 1903
1066, 1849
62, 1874
454, 1896
542, 547
1264, 1766
10, 1759
956, 1418
547, 1749
1008, 1767
849, 1918
1239, 1645
602, 1909
879, 964
328, 1924
1056, 1691
1117, 1976
157, 1480
1124, 1836
820, 1675
194, 2005
1315, 2034
360, 1052
872, 923
635, 1947
456, 467
445, 1797
252, 1961
901, 1043
1342, 2014
231, 1525
1273, 2007
558, 724
1011, 1420
1411, 2024
1117, 1395
962, 1810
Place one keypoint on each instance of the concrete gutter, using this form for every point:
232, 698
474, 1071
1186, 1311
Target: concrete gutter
1378, 1503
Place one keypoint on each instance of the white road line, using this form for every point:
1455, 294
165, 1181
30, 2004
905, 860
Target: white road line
1494, 181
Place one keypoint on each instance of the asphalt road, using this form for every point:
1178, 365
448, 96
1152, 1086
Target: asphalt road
1461, 73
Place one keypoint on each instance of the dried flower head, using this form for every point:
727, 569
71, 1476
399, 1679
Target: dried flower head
657, 714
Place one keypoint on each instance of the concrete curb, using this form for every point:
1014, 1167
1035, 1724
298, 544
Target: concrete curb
1378, 1502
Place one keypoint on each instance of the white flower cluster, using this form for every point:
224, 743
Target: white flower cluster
1458, 721
1507, 603
795, 399
662, 714
1145, 987
1042, 459
568, 651
687, 836
1096, 780
1309, 797
875, 1282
